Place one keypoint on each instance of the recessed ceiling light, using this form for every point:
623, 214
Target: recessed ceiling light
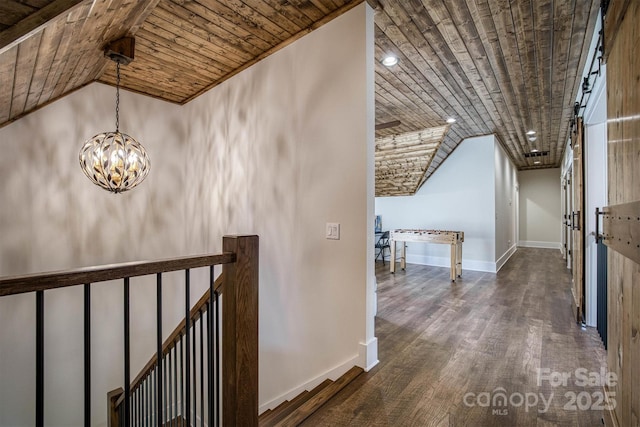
451, 120
531, 132
535, 150
389, 61
537, 162
532, 138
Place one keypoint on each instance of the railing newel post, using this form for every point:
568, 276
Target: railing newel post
240, 332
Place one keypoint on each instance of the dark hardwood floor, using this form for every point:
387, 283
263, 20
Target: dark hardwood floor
447, 350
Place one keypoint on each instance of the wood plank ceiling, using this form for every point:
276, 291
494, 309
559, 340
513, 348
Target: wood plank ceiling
497, 66
500, 67
401, 161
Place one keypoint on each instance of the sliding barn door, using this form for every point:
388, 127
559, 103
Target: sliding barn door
622, 217
577, 220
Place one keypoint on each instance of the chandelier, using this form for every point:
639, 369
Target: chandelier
114, 160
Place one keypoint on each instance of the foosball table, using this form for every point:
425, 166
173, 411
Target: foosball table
453, 238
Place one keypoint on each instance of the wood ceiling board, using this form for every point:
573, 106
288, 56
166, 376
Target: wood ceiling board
69, 33
7, 73
182, 44
12, 12
497, 66
106, 21
401, 161
332, 15
218, 45
51, 37
283, 16
493, 64
459, 67
215, 23
23, 21
66, 53
25, 64
416, 67
166, 87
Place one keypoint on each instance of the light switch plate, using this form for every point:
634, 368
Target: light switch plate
333, 231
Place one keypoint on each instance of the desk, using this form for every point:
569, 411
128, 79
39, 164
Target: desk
453, 238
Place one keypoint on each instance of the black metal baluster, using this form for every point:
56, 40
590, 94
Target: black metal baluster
181, 380
201, 370
167, 381
87, 355
127, 367
159, 346
187, 346
210, 346
216, 346
147, 414
144, 407
39, 358
172, 379
133, 408
151, 401
195, 372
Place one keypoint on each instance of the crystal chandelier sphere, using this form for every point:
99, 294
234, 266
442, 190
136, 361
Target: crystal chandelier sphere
114, 161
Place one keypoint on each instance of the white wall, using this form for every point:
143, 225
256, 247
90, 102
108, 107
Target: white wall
540, 217
278, 150
460, 195
506, 193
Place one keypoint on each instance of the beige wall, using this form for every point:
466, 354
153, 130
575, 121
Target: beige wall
278, 150
540, 216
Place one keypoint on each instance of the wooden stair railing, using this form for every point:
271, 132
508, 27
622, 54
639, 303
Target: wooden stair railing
238, 360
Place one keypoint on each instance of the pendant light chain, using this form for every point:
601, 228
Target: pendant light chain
117, 97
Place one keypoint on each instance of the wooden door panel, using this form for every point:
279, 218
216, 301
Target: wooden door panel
622, 39
577, 220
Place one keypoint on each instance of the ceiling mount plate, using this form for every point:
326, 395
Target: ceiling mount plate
121, 50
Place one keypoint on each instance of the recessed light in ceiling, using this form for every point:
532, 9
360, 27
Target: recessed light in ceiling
389, 61
537, 162
535, 150
451, 120
531, 132
532, 138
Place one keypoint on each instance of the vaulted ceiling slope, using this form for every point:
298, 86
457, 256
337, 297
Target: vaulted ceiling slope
49, 48
496, 66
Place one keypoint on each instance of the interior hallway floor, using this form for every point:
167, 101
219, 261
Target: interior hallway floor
448, 350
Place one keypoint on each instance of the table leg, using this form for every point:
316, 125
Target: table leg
459, 257
403, 260
392, 262
453, 262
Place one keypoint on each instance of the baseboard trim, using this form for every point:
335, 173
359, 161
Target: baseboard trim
332, 374
505, 257
368, 357
536, 244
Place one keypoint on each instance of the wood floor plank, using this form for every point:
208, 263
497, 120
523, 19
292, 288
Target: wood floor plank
441, 341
